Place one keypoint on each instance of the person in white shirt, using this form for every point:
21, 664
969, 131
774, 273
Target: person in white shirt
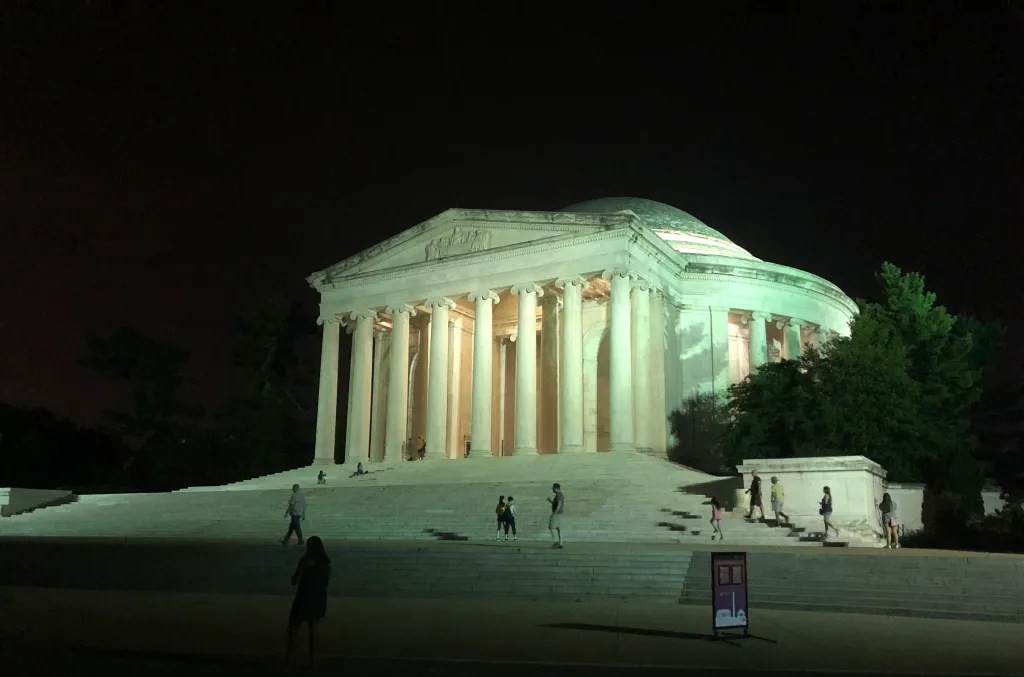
510, 519
296, 511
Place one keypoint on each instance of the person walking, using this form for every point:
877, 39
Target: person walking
890, 522
778, 497
296, 511
826, 511
510, 519
716, 519
312, 576
755, 496
557, 510
499, 511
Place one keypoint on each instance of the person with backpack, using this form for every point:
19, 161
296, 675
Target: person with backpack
510, 519
499, 510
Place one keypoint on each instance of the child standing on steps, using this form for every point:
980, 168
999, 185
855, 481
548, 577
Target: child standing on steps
499, 511
510, 519
716, 519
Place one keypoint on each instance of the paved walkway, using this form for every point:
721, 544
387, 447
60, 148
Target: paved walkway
246, 631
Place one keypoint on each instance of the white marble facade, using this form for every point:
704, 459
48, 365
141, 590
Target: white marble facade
508, 332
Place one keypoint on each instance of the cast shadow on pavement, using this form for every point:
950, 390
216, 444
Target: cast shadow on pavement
647, 632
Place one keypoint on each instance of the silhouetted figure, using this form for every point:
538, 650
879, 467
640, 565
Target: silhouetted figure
296, 511
359, 470
310, 604
755, 496
421, 448
321, 477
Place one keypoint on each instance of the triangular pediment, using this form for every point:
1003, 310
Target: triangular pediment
460, 233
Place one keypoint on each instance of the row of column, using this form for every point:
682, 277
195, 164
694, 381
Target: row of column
759, 338
623, 407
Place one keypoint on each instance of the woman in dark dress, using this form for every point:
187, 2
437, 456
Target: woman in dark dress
310, 604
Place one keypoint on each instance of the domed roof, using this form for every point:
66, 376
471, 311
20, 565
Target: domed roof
683, 232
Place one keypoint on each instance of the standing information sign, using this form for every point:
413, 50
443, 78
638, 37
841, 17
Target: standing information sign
729, 592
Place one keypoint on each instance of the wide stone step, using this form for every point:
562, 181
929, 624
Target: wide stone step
842, 606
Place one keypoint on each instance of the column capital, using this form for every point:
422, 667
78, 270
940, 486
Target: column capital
784, 322
761, 316
402, 308
439, 301
484, 295
615, 272
528, 288
640, 283
332, 318
574, 280
363, 315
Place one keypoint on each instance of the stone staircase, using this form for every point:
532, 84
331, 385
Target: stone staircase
609, 498
897, 583
881, 582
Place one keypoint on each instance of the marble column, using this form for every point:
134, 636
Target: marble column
483, 379
526, 369
437, 378
327, 402
642, 366
547, 395
377, 413
571, 428
361, 384
350, 327
454, 447
794, 340
398, 386
758, 339
620, 377
502, 373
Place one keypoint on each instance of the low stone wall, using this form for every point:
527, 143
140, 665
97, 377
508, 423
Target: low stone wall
14, 500
857, 484
909, 500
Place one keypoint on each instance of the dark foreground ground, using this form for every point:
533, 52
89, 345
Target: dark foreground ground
221, 611
168, 665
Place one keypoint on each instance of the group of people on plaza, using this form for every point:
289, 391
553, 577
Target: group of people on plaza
887, 508
313, 573
505, 511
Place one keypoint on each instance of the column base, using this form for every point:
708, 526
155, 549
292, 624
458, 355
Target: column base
524, 450
571, 449
621, 447
322, 461
479, 453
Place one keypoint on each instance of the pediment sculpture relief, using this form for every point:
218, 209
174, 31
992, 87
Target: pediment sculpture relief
458, 242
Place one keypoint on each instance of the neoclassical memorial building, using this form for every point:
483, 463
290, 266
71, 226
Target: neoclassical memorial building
494, 333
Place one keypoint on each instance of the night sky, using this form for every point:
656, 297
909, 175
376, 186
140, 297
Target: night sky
168, 169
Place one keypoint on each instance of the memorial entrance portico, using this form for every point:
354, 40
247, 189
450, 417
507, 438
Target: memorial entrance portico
495, 333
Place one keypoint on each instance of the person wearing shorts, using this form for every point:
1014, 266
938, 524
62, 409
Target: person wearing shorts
778, 497
557, 510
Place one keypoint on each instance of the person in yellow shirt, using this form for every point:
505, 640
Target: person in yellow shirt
778, 499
